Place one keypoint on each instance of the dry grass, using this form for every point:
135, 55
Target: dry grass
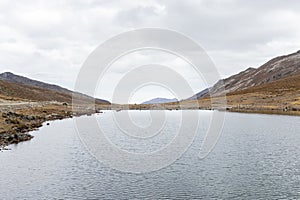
15, 92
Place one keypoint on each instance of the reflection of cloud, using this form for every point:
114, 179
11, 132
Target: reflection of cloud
55, 37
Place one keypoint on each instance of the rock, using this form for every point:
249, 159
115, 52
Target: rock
30, 117
8, 114
53, 116
13, 138
16, 129
16, 138
48, 117
12, 121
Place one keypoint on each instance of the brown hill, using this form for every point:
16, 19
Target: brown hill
15, 91
283, 94
10, 77
12, 88
277, 97
272, 88
275, 69
290, 84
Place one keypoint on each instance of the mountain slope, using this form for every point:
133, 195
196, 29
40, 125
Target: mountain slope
199, 94
21, 88
8, 76
283, 86
15, 91
275, 69
280, 95
160, 100
272, 88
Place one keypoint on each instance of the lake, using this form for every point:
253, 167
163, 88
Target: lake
256, 157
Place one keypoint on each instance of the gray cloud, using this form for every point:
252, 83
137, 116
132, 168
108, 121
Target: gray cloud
49, 40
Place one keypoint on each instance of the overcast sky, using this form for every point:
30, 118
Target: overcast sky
50, 40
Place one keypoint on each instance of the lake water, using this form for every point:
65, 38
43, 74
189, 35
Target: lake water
256, 157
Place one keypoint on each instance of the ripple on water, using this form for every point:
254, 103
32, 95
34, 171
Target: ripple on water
257, 157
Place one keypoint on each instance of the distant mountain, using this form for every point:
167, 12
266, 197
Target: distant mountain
275, 69
160, 100
19, 87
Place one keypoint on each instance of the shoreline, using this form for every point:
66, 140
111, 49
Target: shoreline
17, 123
268, 112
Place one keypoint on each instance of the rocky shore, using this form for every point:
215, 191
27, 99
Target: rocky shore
17, 121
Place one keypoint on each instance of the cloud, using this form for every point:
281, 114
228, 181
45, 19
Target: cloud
50, 40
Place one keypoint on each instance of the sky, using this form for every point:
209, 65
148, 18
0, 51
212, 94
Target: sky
50, 40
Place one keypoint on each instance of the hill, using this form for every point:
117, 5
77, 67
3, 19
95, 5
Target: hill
272, 88
10, 77
275, 69
15, 87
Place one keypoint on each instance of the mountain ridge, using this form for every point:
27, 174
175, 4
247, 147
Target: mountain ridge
11, 77
160, 100
274, 69
21, 87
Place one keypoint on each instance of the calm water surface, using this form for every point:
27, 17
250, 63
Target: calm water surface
256, 157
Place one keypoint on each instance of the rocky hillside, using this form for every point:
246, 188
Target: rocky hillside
282, 94
14, 87
277, 68
199, 94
